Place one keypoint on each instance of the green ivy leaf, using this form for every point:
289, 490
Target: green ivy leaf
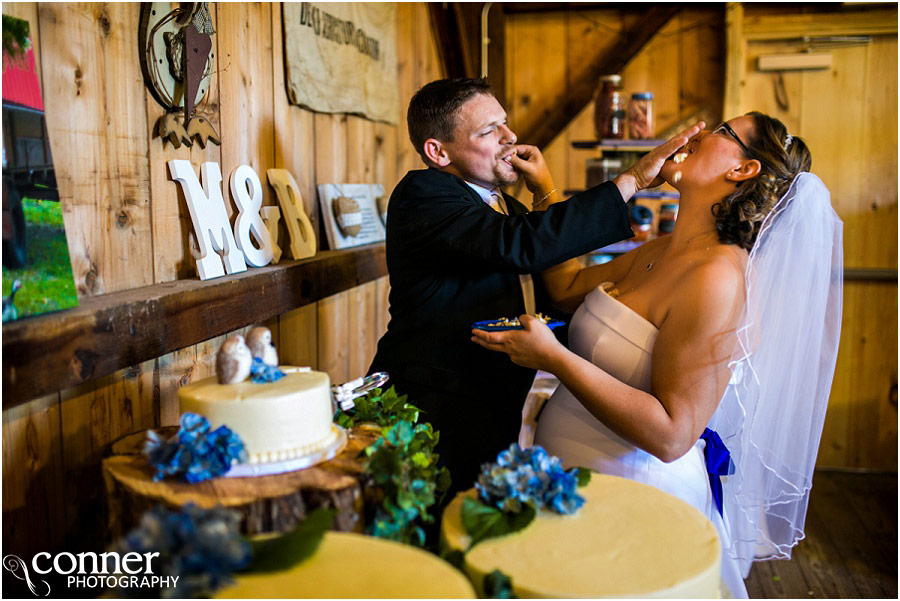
482, 521
276, 554
583, 475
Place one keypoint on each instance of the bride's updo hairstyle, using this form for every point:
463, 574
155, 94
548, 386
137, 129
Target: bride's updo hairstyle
740, 215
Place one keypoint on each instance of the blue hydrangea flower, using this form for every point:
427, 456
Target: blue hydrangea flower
200, 546
531, 475
261, 373
195, 453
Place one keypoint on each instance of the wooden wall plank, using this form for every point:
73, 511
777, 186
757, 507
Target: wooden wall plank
333, 312
34, 503
92, 417
245, 90
360, 165
735, 47
173, 231
702, 48
407, 157
294, 135
94, 100
33, 499
878, 201
294, 151
173, 371
299, 337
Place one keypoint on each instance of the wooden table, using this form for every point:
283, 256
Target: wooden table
267, 503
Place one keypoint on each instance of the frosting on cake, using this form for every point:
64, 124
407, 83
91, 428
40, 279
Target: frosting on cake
277, 420
628, 540
348, 565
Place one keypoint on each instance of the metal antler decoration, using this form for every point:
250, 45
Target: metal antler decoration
178, 61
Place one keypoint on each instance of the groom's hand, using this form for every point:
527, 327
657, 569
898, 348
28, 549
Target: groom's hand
529, 161
534, 346
645, 173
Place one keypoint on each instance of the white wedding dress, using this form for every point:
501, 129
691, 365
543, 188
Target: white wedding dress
615, 338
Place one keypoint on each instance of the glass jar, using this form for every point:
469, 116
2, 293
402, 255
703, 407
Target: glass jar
641, 222
609, 108
668, 213
602, 170
640, 116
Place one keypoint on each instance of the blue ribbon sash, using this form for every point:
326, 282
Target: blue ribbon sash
718, 464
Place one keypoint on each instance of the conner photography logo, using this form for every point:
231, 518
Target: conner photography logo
89, 570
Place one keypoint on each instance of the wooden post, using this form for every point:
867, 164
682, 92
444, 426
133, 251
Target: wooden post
735, 51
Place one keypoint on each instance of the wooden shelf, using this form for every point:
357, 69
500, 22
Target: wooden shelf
618, 145
106, 333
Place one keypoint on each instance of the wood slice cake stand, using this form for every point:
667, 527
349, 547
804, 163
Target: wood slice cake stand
274, 503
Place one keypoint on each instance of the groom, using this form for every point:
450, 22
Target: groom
459, 250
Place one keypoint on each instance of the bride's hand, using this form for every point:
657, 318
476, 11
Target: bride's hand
535, 346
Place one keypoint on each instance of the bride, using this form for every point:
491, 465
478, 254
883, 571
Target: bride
708, 352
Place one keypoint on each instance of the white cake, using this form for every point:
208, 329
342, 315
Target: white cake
348, 565
627, 540
276, 421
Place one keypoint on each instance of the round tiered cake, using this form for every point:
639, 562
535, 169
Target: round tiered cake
350, 565
277, 421
627, 540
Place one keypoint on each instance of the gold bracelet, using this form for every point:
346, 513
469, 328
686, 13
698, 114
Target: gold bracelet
545, 197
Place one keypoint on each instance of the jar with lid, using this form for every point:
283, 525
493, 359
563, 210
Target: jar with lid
668, 213
640, 116
602, 170
609, 108
641, 222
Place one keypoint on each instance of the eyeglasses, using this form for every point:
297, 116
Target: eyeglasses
726, 129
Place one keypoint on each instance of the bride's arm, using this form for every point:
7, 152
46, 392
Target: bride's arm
689, 366
568, 283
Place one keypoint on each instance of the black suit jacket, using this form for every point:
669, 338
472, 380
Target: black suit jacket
453, 260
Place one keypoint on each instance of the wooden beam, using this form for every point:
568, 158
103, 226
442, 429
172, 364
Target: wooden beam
109, 332
449, 43
497, 51
630, 42
735, 53
525, 8
876, 21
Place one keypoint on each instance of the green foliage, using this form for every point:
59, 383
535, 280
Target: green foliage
584, 476
280, 553
382, 408
15, 37
42, 212
47, 282
483, 521
403, 464
498, 585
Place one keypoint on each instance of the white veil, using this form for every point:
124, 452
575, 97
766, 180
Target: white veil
772, 412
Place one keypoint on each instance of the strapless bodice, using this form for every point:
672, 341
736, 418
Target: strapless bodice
613, 337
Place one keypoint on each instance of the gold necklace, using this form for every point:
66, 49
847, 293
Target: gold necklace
670, 248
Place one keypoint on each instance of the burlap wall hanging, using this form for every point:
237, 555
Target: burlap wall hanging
342, 58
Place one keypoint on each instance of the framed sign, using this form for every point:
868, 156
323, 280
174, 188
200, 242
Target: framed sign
341, 57
350, 214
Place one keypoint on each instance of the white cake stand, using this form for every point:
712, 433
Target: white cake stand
248, 470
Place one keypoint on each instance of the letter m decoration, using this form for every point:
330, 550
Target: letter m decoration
211, 225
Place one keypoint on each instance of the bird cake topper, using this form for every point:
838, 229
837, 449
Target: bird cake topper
178, 60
